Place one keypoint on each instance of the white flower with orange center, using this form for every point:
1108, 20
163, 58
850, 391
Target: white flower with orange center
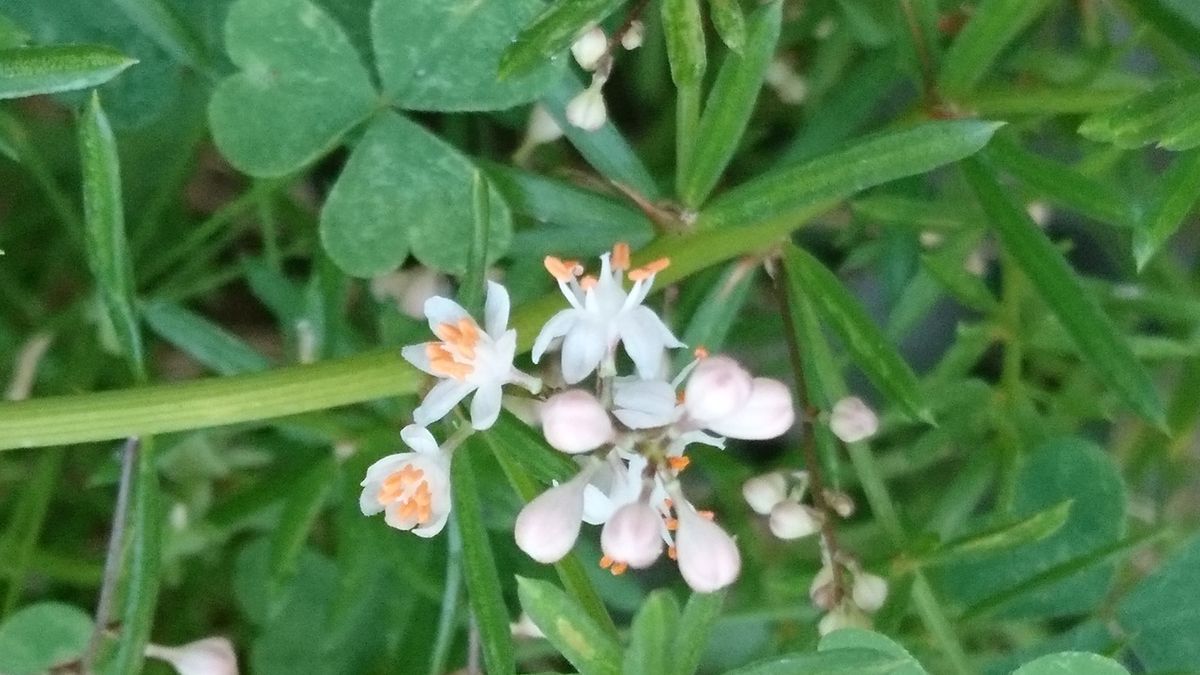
603, 314
468, 359
412, 489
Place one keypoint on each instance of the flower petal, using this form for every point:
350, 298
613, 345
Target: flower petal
495, 310
441, 310
418, 438
418, 355
557, 326
582, 350
485, 406
641, 333
440, 400
436, 524
768, 413
644, 404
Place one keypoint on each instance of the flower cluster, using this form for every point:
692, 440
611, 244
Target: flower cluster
592, 52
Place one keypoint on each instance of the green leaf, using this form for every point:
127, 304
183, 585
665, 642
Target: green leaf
206, 342
1165, 114
858, 638
1177, 197
993, 25
1072, 663
868, 346
1077, 310
142, 564
569, 628
836, 662
651, 636
170, 31
104, 228
1177, 19
730, 22
11, 35
300, 89
42, 636
1026, 530
730, 103
684, 31
722, 305
1161, 616
472, 290
405, 187
551, 32
695, 629
443, 54
782, 193
479, 565
303, 506
29, 71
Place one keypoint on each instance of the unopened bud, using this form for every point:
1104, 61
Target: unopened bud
708, 557
548, 526
840, 502
787, 83
763, 492
633, 535
634, 35
852, 420
767, 413
792, 520
869, 592
587, 110
210, 656
574, 421
821, 591
589, 48
718, 387
543, 128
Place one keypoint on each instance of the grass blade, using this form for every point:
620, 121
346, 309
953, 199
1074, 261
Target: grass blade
29, 71
994, 25
206, 342
1180, 190
472, 289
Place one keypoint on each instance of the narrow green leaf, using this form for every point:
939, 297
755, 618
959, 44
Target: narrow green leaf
479, 565
1180, 188
170, 31
1165, 114
715, 315
651, 636
143, 565
946, 265
994, 24
1078, 311
869, 347
569, 628
695, 627
29, 71
11, 35
300, 511
730, 103
206, 342
860, 638
1072, 663
780, 194
1025, 530
684, 31
1177, 19
471, 290
104, 220
730, 22
553, 31
24, 527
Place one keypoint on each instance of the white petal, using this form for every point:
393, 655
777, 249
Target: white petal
505, 348
548, 526
418, 356
644, 404
557, 326
382, 467
597, 507
441, 400
441, 310
418, 438
768, 413
436, 524
495, 310
485, 406
642, 333
582, 350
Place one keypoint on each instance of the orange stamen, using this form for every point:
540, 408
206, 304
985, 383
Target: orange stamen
700, 353
679, 463
680, 396
620, 256
707, 515
451, 368
672, 524
469, 331
672, 553
668, 502
649, 269
605, 562
561, 270
618, 568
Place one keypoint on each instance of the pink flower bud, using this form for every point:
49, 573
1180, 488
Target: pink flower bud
708, 557
574, 421
210, 656
718, 387
852, 421
633, 535
792, 520
763, 492
548, 526
869, 591
766, 414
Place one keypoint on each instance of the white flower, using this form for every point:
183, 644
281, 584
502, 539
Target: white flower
210, 656
573, 421
409, 289
708, 557
792, 520
603, 314
587, 110
548, 526
763, 492
632, 537
589, 48
869, 591
634, 35
718, 387
612, 486
852, 421
645, 404
412, 488
468, 359
766, 414
543, 128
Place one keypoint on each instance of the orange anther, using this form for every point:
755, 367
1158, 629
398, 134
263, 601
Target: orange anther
620, 256
650, 269
700, 353
618, 568
672, 524
448, 332
678, 463
707, 515
563, 270
680, 396
588, 282
435, 351
450, 368
672, 553
605, 562
469, 331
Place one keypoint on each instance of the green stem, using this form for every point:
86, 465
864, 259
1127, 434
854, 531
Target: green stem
687, 118
937, 623
450, 598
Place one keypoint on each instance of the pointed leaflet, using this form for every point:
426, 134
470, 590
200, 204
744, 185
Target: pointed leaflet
29, 71
1160, 614
651, 636
1178, 194
1072, 663
404, 187
568, 627
1077, 310
994, 24
694, 630
552, 32
300, 88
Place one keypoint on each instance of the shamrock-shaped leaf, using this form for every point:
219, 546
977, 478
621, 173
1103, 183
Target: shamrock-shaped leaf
301, 87
405, 189
444, 54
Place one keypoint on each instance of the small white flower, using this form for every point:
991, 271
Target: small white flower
852, 421
573, 421
792, 520
587, 110
548, 526
634, 35
603, 315
763, 492
409, 289
718, 387
543, 128
613, 485
632, 537
869, 591
210, 656
590, 47
645, 404
768, 413
468, 359
708, 557
411, 488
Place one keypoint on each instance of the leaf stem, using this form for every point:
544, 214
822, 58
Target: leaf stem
450, 597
